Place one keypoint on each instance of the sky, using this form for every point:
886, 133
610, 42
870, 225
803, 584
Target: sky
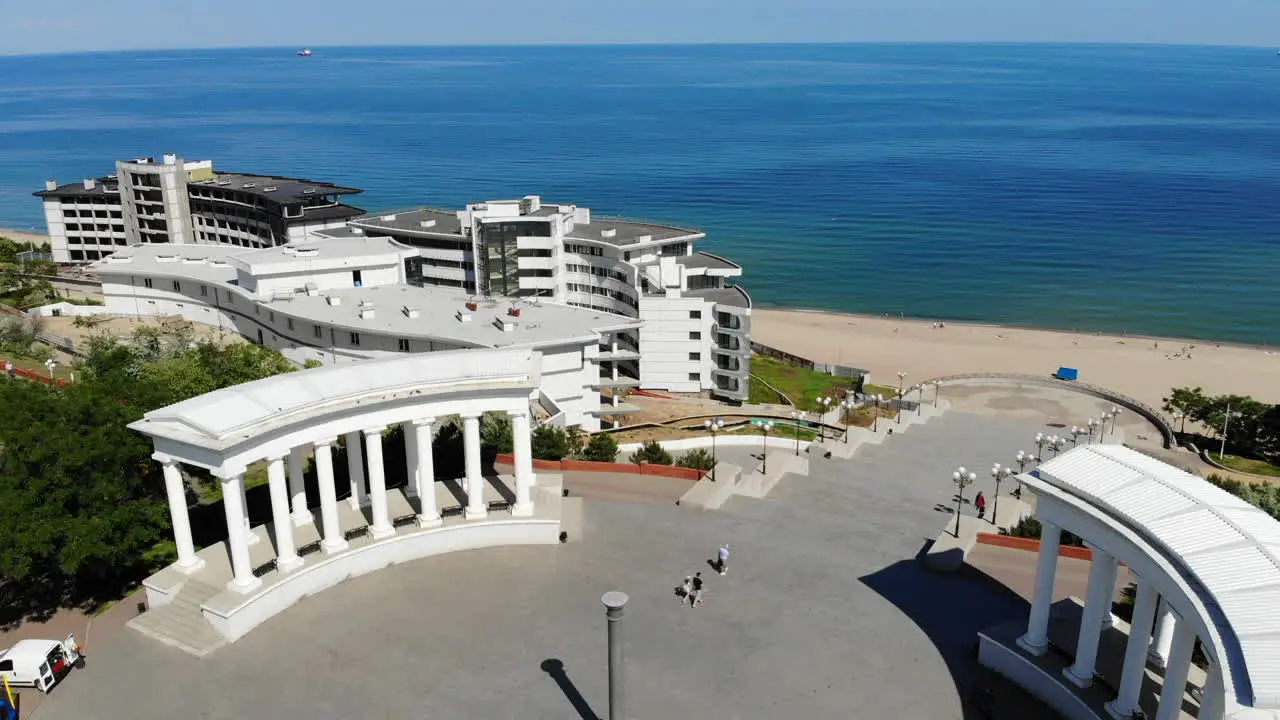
40, 26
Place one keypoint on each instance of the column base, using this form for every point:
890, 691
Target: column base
425, 522
1108, 620
285, 565
1034, 647
245, 589
410, 492
1154, 660
336, 546
381, 533
474, 514
522, 510
251, 537
1114, 710
196, 564
301, 520
1074, 679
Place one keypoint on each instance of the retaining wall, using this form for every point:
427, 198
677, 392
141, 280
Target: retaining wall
565, 465
1032, 544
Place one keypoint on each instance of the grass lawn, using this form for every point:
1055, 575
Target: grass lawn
1248, 465
802, 386
62, 372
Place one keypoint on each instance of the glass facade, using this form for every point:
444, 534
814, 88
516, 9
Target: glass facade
500, 257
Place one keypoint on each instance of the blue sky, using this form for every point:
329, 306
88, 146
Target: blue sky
40, 26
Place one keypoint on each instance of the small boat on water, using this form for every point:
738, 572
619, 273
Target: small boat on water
304, 52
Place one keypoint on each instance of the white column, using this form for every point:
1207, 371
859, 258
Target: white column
476, 506
1162, 641
333, 541
523, 446
286, 552
1212, 695
1109, 618
1036, 641
1135, 652
355, 469
298, 489
429, 515
175, 489
410, 460
381, 526
249, 535
1175, 676
233, 504
1097, 602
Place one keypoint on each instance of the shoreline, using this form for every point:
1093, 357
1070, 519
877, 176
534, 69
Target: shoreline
1016, 326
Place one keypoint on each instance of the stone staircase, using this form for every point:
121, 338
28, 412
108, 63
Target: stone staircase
180, 623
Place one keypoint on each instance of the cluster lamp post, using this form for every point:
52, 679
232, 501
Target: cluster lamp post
901, 376
877, 399
999, 474
825, 404
1093, 427
962, 478
797, 416
713, 426
766, 427
936, 387
847, 406
1023, 458
1115, 415
1226, 420
1076, 432
1055, 444
1041, 441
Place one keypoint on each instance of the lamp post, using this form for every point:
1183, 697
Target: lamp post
1115, 415
847, 406
614, 602
766, 427
1093, 427
1023, 458
936, 387
901, 376
1226, 420
713, 426
1102, 425
1076, 432
962, 478
1178, 416
1041, 439
797, 416
919, 398
999, 474
825, 404
877, 399
1055, 444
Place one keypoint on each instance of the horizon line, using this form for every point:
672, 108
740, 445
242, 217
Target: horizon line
647, 43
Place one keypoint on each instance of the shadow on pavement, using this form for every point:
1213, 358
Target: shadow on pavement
555, 668
950, 608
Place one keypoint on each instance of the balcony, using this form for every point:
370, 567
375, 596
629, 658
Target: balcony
620, 355
728, 343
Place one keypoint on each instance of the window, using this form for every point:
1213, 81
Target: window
177, 286
231, 299
271, 316
289, 322
695, 356
317, 331
355, 338
356, 278
146, 282
695, 377
695, 335
204, 291
6, 666
404, 345
695, 314
257, 309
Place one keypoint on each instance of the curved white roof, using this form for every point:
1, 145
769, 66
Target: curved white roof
256, 406
1227, 547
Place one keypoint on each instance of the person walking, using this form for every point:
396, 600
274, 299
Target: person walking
686, 589
722, 562
980, 502
695, 595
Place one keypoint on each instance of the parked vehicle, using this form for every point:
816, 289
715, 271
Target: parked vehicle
40, 664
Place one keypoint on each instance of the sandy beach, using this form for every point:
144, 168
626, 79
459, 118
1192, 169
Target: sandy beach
24, 236
1142, 367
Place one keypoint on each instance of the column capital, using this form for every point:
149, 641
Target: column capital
423, 422
524, 412
471, 415
1098, 549
325, 442
165, 459
374, 431
233, 473
277, 456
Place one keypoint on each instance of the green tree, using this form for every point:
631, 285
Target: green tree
698, 459
601, 448
653, 453
553, 443
1187, 403
495, 432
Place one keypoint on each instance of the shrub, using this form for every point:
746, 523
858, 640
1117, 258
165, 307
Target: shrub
653, 453
312, 363
495, 432
602, 448
698, 459
1030, 527
553, 443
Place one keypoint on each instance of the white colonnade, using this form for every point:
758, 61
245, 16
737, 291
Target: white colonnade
289, 507
1170, 645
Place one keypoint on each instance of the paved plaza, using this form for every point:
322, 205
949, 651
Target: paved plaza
824, 613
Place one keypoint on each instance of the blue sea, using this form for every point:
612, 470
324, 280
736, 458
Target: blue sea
1107, 187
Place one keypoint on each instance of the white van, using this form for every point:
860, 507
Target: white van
39, 663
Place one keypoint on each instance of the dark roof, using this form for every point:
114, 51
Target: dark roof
446, 223
730, 295
327, 213
626, 232
77, 189
283, 189
706, 260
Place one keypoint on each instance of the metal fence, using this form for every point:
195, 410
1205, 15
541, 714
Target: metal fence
795, 360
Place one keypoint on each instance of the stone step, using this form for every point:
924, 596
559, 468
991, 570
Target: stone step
181, 623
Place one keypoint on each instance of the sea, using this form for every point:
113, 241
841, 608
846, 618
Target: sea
1104, 188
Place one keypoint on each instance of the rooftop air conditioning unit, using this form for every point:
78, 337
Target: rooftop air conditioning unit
311, 288
333, 300
463, 316
411, 313
611, 232
424, 223
357, 231
246, 186
224, 182
367, 313
166, 258
504, 324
